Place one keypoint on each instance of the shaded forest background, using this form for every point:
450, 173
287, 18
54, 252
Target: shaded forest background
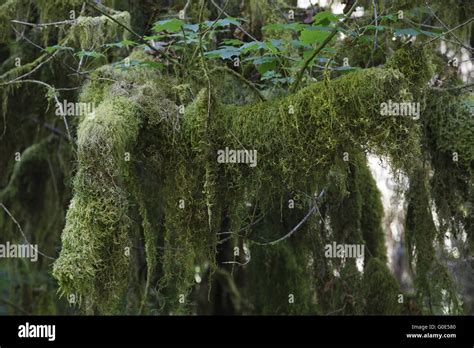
132, 213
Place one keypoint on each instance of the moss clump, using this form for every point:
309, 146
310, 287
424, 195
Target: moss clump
415, 64
93, 264
297, 139
432, 282
380, 289
286, 267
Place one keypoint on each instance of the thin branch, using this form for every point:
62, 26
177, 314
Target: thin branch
243, 228
454, 88
23, 233
376, 26
11, 304
241, 78
447, 28
449, 31
203, 63
49, 127
238, 26
58, 103
60, 61
320, 47
297, 227
40, 25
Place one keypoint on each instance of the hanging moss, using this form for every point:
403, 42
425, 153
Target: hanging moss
380, 289
193, 184
371, 213
416, 66
93, 263
8, 11
432, 282
91, 33
286, 267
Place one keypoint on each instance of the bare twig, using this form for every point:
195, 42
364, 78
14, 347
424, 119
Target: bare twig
23, 233
454, 88
238, 26
241, 78
376, 25
449, 31
58, 103
11, 304
39, 25
297, 227
447, 28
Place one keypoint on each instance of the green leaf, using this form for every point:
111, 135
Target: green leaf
224, 52
232, 42
170, 25
406, 31
312, 35
191, 27
252, 46
299, 44
264, 64
52, 49
429, 33
325, 18
127, 43
156, 37
288, 26
273, 45
152, 64
123, 43
227, 21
